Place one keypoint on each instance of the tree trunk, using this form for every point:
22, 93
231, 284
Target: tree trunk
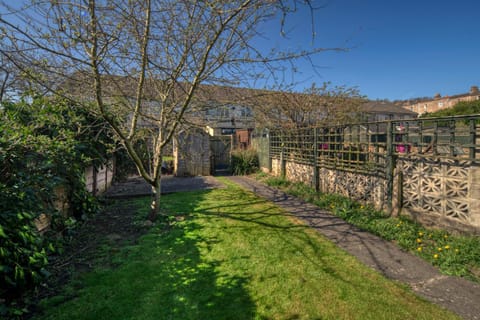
155, 205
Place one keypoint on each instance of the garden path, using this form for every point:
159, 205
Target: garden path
454, 293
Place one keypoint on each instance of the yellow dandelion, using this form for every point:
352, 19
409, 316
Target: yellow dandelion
398, 225
419, 249
419, 240
445, 236
420, 234
362, 207
447, 247
457, 251
439, 249
435, 256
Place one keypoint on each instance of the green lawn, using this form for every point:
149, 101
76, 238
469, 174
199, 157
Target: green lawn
230, 255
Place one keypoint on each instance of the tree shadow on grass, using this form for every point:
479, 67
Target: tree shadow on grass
164, 276
293, 234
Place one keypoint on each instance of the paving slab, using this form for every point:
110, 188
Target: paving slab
137, 187
454, 293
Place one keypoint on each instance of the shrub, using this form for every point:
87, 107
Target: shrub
44, 144
244, 161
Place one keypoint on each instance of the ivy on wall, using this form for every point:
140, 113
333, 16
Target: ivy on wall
45, 143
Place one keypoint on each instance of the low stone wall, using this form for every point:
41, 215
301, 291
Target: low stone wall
276, 167
360, 187
97, 181
444, 194
299, 173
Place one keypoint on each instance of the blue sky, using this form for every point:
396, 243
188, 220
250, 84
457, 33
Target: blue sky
396, 49
399, 49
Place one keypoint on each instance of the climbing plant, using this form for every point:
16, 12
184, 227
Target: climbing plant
45, 143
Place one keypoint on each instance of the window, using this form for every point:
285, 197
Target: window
228, 131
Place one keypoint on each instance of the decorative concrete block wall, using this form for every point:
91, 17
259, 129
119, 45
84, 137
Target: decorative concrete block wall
436, 193
443, 193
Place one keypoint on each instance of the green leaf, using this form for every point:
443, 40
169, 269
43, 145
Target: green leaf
2, 232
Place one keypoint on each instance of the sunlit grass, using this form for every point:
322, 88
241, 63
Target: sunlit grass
226, 254
453, 254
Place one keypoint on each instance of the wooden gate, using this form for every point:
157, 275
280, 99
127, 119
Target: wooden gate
221, 147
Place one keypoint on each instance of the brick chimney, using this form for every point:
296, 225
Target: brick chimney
474, 90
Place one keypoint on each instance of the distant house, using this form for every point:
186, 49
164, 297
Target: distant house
378, 110
440, 103
224, 119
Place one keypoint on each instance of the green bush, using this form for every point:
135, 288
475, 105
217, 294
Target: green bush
44, 144
461, 108
244, 162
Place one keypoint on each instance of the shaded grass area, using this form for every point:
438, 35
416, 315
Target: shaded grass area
453, 254
226, 254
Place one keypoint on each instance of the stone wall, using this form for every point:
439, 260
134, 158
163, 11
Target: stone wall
360, 187
440, 103
276, 167
436, 193
299, 173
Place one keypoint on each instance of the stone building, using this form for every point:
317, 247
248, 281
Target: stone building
440, 103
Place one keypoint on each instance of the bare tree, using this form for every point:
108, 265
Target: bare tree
140, 64
9, 79
316, 106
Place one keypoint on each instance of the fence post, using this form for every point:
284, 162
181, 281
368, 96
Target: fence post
283, 162
314, 159
390, 162
269, 155
473, 139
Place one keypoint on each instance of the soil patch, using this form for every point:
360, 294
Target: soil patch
92, 244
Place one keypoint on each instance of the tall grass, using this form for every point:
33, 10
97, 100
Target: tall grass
244, 161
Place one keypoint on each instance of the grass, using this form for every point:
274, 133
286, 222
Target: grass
453, 254
226, 254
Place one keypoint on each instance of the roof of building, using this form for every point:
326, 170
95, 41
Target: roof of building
380, 106
119, 86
